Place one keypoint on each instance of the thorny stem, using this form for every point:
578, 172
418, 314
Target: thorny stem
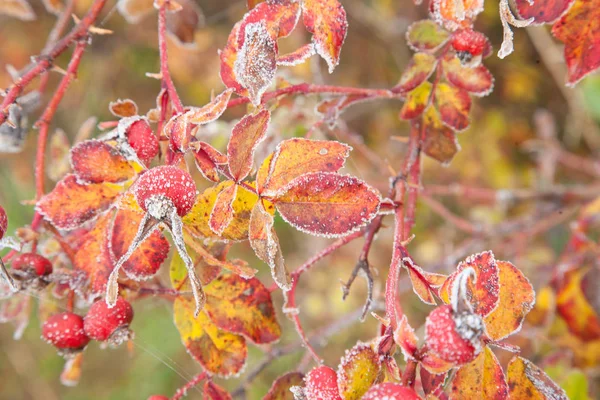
182, 391
167, 82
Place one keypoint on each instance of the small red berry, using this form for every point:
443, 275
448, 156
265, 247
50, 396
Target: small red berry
321, 384
469, 41
36, 263
65, 331
168, 182
142, 140
102, 323
390, 391
454, 337
3, 222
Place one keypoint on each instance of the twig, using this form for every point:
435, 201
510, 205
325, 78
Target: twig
182, 391
167, 82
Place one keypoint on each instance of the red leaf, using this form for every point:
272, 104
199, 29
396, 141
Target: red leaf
542, 12
478, 81
208, 160
481, 379
245, 137
326, 20
579, 30
222, 212
453, 105
327, 204
71, 204
416, 101
405, 337
228, 57
211, 111
212, 391
297, 57
423, 282
279, 17
97, 162
280, 389
416, 72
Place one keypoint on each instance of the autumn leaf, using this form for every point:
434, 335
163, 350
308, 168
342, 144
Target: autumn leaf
280, 389
228, 57
222, 212
423, 282
219, 352
406, 339
482, 378
477, 80
440, 141
416, 72
579, 30
573, 306
431, 382
434, 364
326, 20
298, 56
209, 160
245, 137
453, 104
297, 156
391, 391
542, 12
211, 111
327, 204
358, 370
527, 381
123, 108
280, 17
212, 391
183, 23
95, 161
242, 306
146, 260
426, 35
455, 14
71, 203
416, 101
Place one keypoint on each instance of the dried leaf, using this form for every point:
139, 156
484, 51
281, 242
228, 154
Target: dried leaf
416, 101
123, 108
482, 378
95, 161
426, 35
527, 381
222, 213
219, 352
242, 306
326, 20
182, 24
416, 72
71, 204
327, 204
358, 370
454, 105
245, 137
280, 389
478, 80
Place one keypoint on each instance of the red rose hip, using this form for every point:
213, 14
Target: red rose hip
165, 182
3, 222
142, 140
32, 262
321, 384
469, 41
390, 391
65, 331
103, 323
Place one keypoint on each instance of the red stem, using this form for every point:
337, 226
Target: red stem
167, 82
182, 391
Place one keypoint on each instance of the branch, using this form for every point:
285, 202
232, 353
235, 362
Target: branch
167, 82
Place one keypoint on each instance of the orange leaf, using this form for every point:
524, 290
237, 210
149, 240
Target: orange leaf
573, 306
416, 101
265, 244
483, 294
416, 72
212, 391
280, 389
93, 256
434, 364
542, 12
228, 56
405, 337
146, 260
482, 378
97, 162
123, 108
222, 213
245, 137
454, 105
455, 14
327, 204
278, 16
579, 30
294, 157
242, 306
17, 8
515, 301
527, 381
426, 35
326, 20
423, 282
357, 371
208, 160
211, 111
478, 80
71, 204
219, 352
440, 141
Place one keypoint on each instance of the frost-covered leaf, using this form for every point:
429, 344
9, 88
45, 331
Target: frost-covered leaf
265, 243
327, 204
416, 72
405, 337
228, 57
256, 61
426, 35
123, 108
542, 12
431, 382
440, 141
435, 364
211, 111
182, 24
326, 20
423, 282
390, 391
222, 212
148, 257
71, 203
17, 8
242, 306
280, 17
516, 299
209, 160
358, 370
245, 137
95, 161
58, 164
294, 157
484, 293
478, 80
280, 389
455, 14
453, 104
579, 30
212, 391
219, 352
416, 101
298, 56
527, 381
482, 378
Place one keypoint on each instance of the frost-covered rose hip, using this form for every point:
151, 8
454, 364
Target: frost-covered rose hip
65, 332
469, 44
166, 194
390, 391
454, 337
32, 263
165, 182
321, 383
142, 140
102, 323
3, 222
